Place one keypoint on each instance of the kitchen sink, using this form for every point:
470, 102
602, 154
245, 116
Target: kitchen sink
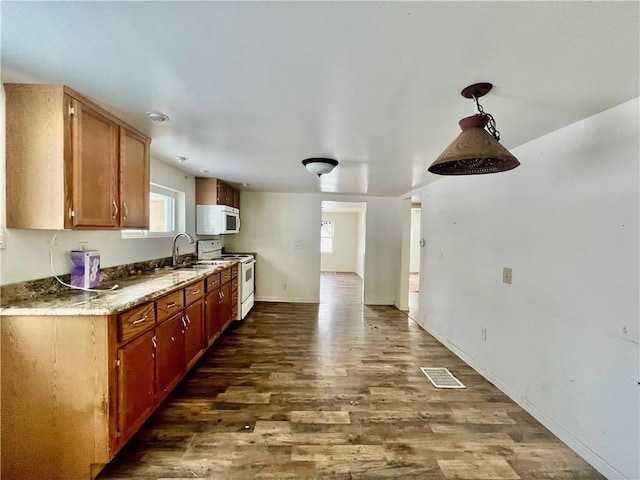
192, 267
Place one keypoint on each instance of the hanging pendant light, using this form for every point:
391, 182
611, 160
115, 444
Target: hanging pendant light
320, 166
476, 150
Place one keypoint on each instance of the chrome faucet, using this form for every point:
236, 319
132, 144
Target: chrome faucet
176, 252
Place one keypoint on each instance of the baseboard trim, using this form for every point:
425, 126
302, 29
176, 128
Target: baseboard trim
558, 430
287, 300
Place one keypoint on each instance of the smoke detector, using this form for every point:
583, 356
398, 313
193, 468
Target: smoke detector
156, 116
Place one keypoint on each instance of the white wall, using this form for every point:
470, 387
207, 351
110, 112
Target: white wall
345, 243
414, 255
361, 242
26, 256
563, 339
284, 230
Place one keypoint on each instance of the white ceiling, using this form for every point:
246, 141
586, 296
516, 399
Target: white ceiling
252, 88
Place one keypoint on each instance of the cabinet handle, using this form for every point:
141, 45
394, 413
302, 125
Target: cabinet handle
173, 339
126, 210
188, 319
154, 341
184, 323
115, 209
140, 320
171, 305
195, 292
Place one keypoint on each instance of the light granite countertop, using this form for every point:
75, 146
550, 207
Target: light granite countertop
131, 291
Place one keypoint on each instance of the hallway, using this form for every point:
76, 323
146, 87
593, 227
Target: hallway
334, 391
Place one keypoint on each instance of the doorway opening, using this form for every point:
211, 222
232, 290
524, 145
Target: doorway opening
414, 260
342, 249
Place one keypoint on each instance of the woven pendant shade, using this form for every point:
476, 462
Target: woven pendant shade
474, 151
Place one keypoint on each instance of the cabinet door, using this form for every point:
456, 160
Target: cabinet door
135, 384
134, 180
236, 198
212, 315
169, 355
194, 331
94, 168
225, 305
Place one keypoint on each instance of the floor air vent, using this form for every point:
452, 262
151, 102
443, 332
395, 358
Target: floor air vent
441, 378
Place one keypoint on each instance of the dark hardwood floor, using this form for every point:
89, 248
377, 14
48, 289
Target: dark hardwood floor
334, 391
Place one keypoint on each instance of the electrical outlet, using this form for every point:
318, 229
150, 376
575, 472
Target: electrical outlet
3, 245
82, 246
284, 286
483, 334
507, 275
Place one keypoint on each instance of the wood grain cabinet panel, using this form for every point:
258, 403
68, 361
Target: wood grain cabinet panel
225, 308
136, 321
136, 384
71, 164
211, 316
94, 168
169, 355
194, 333
108, 373
134, 180
225, 276
194, 292
213, 191
213, 282
169, 304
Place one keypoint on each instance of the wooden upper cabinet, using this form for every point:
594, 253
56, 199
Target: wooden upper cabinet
71, 164
213, 191
94, 167
134, 180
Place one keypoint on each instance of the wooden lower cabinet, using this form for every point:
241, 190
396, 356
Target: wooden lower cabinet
225, 305
136, 384
75, 389
194, 333
169, 355
211, 316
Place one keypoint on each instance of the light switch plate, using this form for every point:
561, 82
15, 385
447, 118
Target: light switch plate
507, 275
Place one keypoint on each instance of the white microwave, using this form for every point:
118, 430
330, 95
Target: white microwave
217, 219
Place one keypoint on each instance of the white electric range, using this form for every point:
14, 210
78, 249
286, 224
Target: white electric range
210, 252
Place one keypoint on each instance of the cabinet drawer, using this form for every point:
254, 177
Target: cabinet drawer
234, 285
194, 292
169, 304
234, 297
234, 271
135, 321
213, 282
225, 276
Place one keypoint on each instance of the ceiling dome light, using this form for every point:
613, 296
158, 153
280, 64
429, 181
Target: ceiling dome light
320, 166
157, 116
182, 158
475, 151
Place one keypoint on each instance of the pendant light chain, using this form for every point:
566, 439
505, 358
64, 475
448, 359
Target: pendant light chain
491, 125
